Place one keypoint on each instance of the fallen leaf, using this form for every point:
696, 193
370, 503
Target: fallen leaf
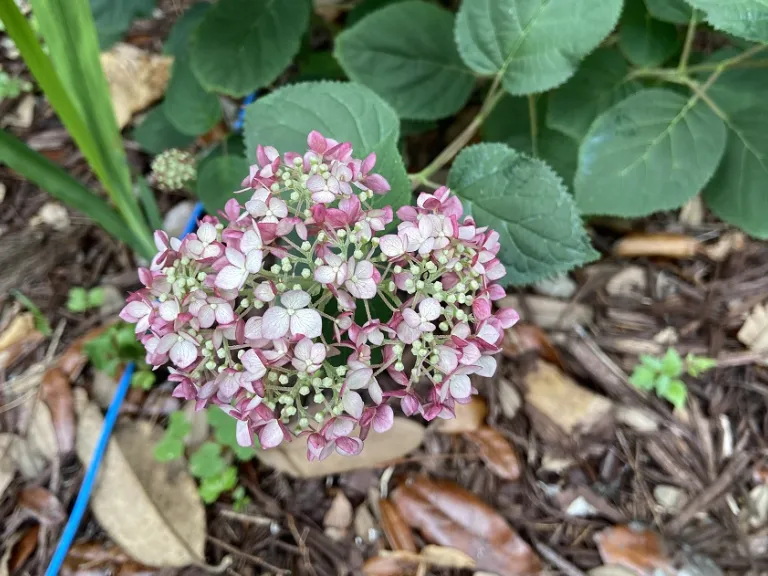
33, 452
469, 417
395, 529
611, 570
23, 549
446, 557
385, 565
670, 498
754, 332
630, 281
509, 398
136, 79
405, 562
338, 519
636, 548
152, 510
7, 464
549, 313
548, 391
730, 242
73, 359
662, 245
365, 524
6, 558
51, 214
448, 515
756, 513
19, 337
523, 338
57, 395
499, 455
639, 419
42, 505
291, 458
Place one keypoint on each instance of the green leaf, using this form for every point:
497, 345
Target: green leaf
212, 488
114, 17
169, 448
77, 300
156, 134
697, 365
599, 84
95, 297
646, 42
144, 380
207, 462
178, 38
521, 198
178, 425
41, 322
533, 45
737, 191
219, 179
362, 9
343, 111
224, 427
673, 11
675, 391
643, 377
510, 123
242, 45
319, 66
745, 18
650, 152
672, 363
651, 362
406, 54
187, 106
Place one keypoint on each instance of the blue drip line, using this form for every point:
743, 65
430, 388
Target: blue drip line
84, 495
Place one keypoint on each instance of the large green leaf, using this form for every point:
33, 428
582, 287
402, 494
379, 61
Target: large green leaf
156, 133
535, 45
599, 84
646, 42
673, 11
510, 122
745, 18
540, 230
737, 191
343, 111
188, 106
242, 45
114, 17
181, 33
406, 53
652, 151
218, 179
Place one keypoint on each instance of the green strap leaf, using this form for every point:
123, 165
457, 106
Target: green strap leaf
599, 84
541, 233
652, 151
646, 42
745, 18
533, 45
406, 54
343, 111
242, 45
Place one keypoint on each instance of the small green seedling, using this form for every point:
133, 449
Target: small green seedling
116, 347
664, 374
11, 87
41, 322
81, 299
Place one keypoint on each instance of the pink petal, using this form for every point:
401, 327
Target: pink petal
384, 419
231, 278
243, 433
253, 364
353, 403
271, 435
183, 353
276, 322
347, 446
391, 245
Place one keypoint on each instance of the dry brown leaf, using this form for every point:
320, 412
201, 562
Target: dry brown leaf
136, 79
57, 395
754, 332
6, 558
662, 245
23, 549
448, 515
20, 337
338, 519
730, 242
386, 565
42, 505
291, 458
509, 398
549, 313
151, 510
636, 548
548, 391
74, 359
446, 557
395, 529
33, 452
524, 338
365, 524
469, 417
7, 463
629, 281
499, 455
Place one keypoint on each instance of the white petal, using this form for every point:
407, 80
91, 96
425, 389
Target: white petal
460, 386
364, 270
430, 309
317, 355
275, 323
169, 310
206, 233
253, 364
251, 240
391, 245
307, 322
303, 349
384, 419
271, 435
264, 292
183, 353
411, 318
231, 278
325, 275
487, 366
235, 257
253, 261
253, 328
374, 391
295, 299
353, 403
166, 343
224, 314
359, 378
137, 309
206, 316
243, 433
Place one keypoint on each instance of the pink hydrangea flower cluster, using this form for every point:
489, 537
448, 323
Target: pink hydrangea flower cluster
298, 315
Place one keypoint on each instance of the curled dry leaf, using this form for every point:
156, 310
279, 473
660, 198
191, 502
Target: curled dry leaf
448, 515
524, 338
549, 313
729, 243
151, 510
40, 446
509, 398
636, 548
395, 528
57, 395
23, 549
499, 455
469, 417
19, 337
74, 359
754, 332
291, 458
7, 463
338, 519
42, 505
662, 245
548, 390
387, 565
136, 79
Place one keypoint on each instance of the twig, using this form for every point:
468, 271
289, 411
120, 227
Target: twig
247, 518
553, 557
302, 546
245, 556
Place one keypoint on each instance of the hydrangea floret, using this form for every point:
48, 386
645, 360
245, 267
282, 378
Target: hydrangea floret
298, 314
173, 169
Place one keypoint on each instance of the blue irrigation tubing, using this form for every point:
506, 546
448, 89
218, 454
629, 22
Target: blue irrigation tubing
84, 495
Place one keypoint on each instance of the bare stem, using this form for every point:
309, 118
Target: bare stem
534, 124
689, 36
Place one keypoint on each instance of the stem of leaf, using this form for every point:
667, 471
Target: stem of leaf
689, 36
534, 125
493, 97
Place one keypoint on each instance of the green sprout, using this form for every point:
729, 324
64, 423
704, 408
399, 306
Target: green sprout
664, 374
114, 349
81, 299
